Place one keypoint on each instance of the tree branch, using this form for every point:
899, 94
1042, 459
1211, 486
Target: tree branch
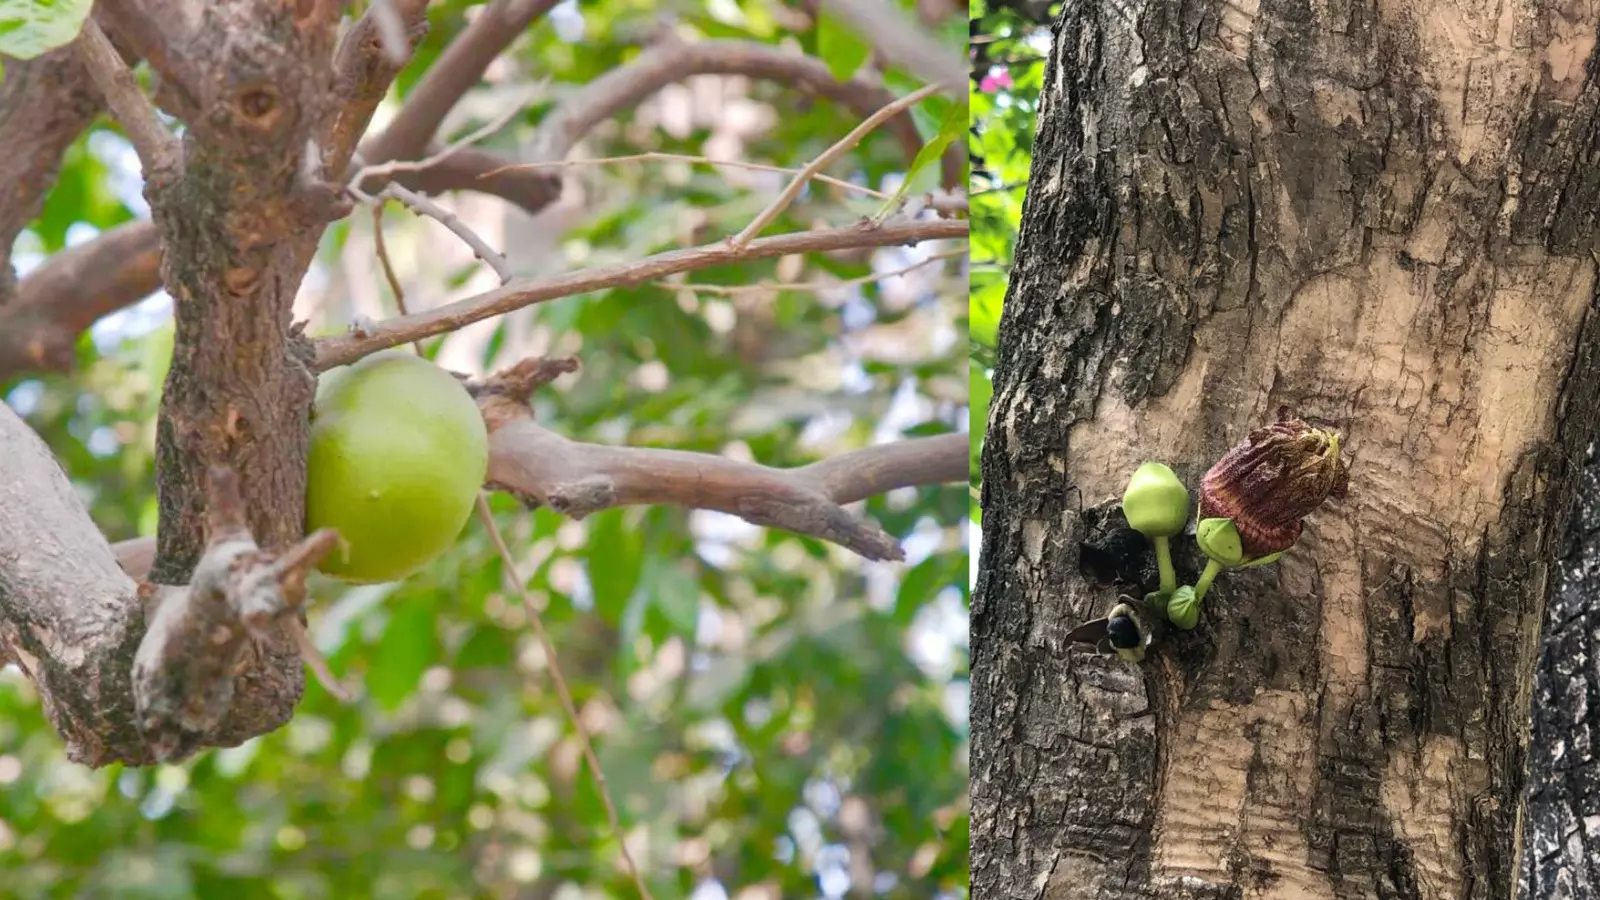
836, 150
68, 615
457, 70
135, 556
347, 348
45, 102
876, 470
238, 231
673, 60
472, 169
157, 147
362, 73
422, 206
160, 32
904, 42
69, 291
578, 479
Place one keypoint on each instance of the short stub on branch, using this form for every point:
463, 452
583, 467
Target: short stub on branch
202, 636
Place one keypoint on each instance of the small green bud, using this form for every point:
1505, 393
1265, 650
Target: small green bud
1183, 610
1220, 541
1156, 502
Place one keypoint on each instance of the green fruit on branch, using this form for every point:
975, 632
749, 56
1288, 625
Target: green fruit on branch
398, 454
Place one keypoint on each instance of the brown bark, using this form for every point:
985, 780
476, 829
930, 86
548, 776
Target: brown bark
1382, 217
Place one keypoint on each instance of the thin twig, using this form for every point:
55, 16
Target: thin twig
156, 146
786, 197
347, 348
423, 206
999, 189
736, 289
315, 661
562, 691
388, 268
683, 157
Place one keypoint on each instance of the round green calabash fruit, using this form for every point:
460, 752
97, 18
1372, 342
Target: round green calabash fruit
398, 454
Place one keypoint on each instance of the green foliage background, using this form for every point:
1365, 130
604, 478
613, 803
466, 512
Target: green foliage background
772, 713
1009, 51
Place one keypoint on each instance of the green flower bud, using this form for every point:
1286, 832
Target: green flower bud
1183, 608
1156, 502
1219, 540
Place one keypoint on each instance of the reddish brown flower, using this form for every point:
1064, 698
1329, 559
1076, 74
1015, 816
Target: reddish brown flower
1274, 478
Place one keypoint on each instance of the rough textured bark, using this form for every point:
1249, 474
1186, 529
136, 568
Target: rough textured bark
50, 549
1562, 854
1382, 216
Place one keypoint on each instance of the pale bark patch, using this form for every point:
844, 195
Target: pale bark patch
1237, 783
1421, 790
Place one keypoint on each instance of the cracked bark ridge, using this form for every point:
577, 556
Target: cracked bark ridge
200, 638
1388, 229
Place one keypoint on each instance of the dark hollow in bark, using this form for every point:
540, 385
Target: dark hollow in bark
1381, 216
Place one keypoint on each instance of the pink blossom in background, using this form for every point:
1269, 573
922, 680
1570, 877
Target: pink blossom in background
994, 82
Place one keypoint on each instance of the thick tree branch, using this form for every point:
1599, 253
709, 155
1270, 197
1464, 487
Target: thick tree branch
158, 149
238, 230
160, 32
70, 290
347, 348
45, 103
578, 479
362, 73
67, 613
457, 71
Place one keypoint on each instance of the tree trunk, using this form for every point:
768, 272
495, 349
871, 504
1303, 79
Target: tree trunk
1562, 855
1382, 217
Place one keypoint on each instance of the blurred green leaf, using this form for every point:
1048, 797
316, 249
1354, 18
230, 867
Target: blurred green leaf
409, 645
31, 27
